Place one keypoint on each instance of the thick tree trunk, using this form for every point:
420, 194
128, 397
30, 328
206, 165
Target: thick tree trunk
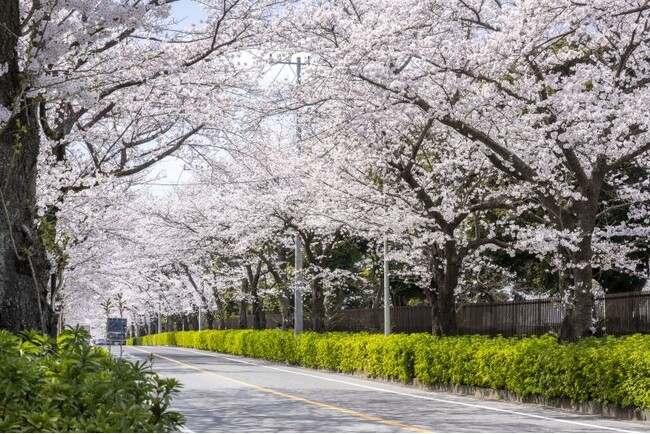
578, 318
442, 294
24, 270
317, 306
446, 325
443, 311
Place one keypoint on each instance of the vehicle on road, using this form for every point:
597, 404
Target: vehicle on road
116, 331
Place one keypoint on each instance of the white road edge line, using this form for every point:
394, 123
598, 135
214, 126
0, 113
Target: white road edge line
428, 398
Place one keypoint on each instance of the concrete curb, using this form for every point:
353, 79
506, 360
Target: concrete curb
590, 407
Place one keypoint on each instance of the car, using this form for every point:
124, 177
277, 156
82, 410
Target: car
99, 341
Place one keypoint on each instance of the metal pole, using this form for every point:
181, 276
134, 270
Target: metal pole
202, 293
386, 290
298, 323
159, 320
298, 64
298, 283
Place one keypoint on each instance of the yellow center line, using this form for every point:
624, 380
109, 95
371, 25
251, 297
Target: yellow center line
289, 396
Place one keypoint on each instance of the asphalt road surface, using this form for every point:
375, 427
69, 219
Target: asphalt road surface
224, 393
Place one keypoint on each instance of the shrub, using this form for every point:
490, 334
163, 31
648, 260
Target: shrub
68, 385
609, 370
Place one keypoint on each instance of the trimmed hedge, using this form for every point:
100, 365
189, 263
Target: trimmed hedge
609, 370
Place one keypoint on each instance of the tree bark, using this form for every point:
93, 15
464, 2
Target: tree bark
243, 307
578, 318
24, 270
317, 306
279, 273
259, 319
441, 294
220, 311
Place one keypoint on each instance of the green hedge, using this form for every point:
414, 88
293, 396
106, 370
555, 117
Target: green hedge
68, 385
609, 370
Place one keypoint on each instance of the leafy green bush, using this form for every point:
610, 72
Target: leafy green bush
70, 386
610, 370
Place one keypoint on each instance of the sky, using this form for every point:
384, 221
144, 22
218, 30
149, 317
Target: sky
188, 12
172, 171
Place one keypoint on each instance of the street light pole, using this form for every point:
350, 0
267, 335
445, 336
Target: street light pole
386, 290
159, 320
202, 262
297, 323
298, 287
386, 276
298, 281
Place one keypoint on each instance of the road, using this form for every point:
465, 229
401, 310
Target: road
224, 393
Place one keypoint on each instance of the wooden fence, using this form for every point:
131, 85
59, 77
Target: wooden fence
616, 314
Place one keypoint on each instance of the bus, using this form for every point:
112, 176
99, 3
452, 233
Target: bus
116, 331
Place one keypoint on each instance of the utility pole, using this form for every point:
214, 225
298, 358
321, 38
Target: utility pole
386, 276
202, 294
159, 320
297, 323
121, 306
298, 280
386, 290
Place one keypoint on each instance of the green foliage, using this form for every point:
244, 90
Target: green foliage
21, 130
56, 245
610, 370
69, 385
602, 370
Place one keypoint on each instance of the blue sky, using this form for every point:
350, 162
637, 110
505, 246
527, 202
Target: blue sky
188, 11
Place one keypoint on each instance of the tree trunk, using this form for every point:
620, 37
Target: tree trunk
257, 314
379, 294
443, 313
243, 306
317, 306
447, 302
259, 319
286, 312
443, 298
578, 317
24, 271
279, 277
220, 311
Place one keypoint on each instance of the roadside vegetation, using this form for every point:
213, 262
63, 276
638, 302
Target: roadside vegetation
67, 385
609, 370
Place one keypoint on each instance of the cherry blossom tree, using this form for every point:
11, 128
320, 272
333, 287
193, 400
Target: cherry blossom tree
549, 92
98, 91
